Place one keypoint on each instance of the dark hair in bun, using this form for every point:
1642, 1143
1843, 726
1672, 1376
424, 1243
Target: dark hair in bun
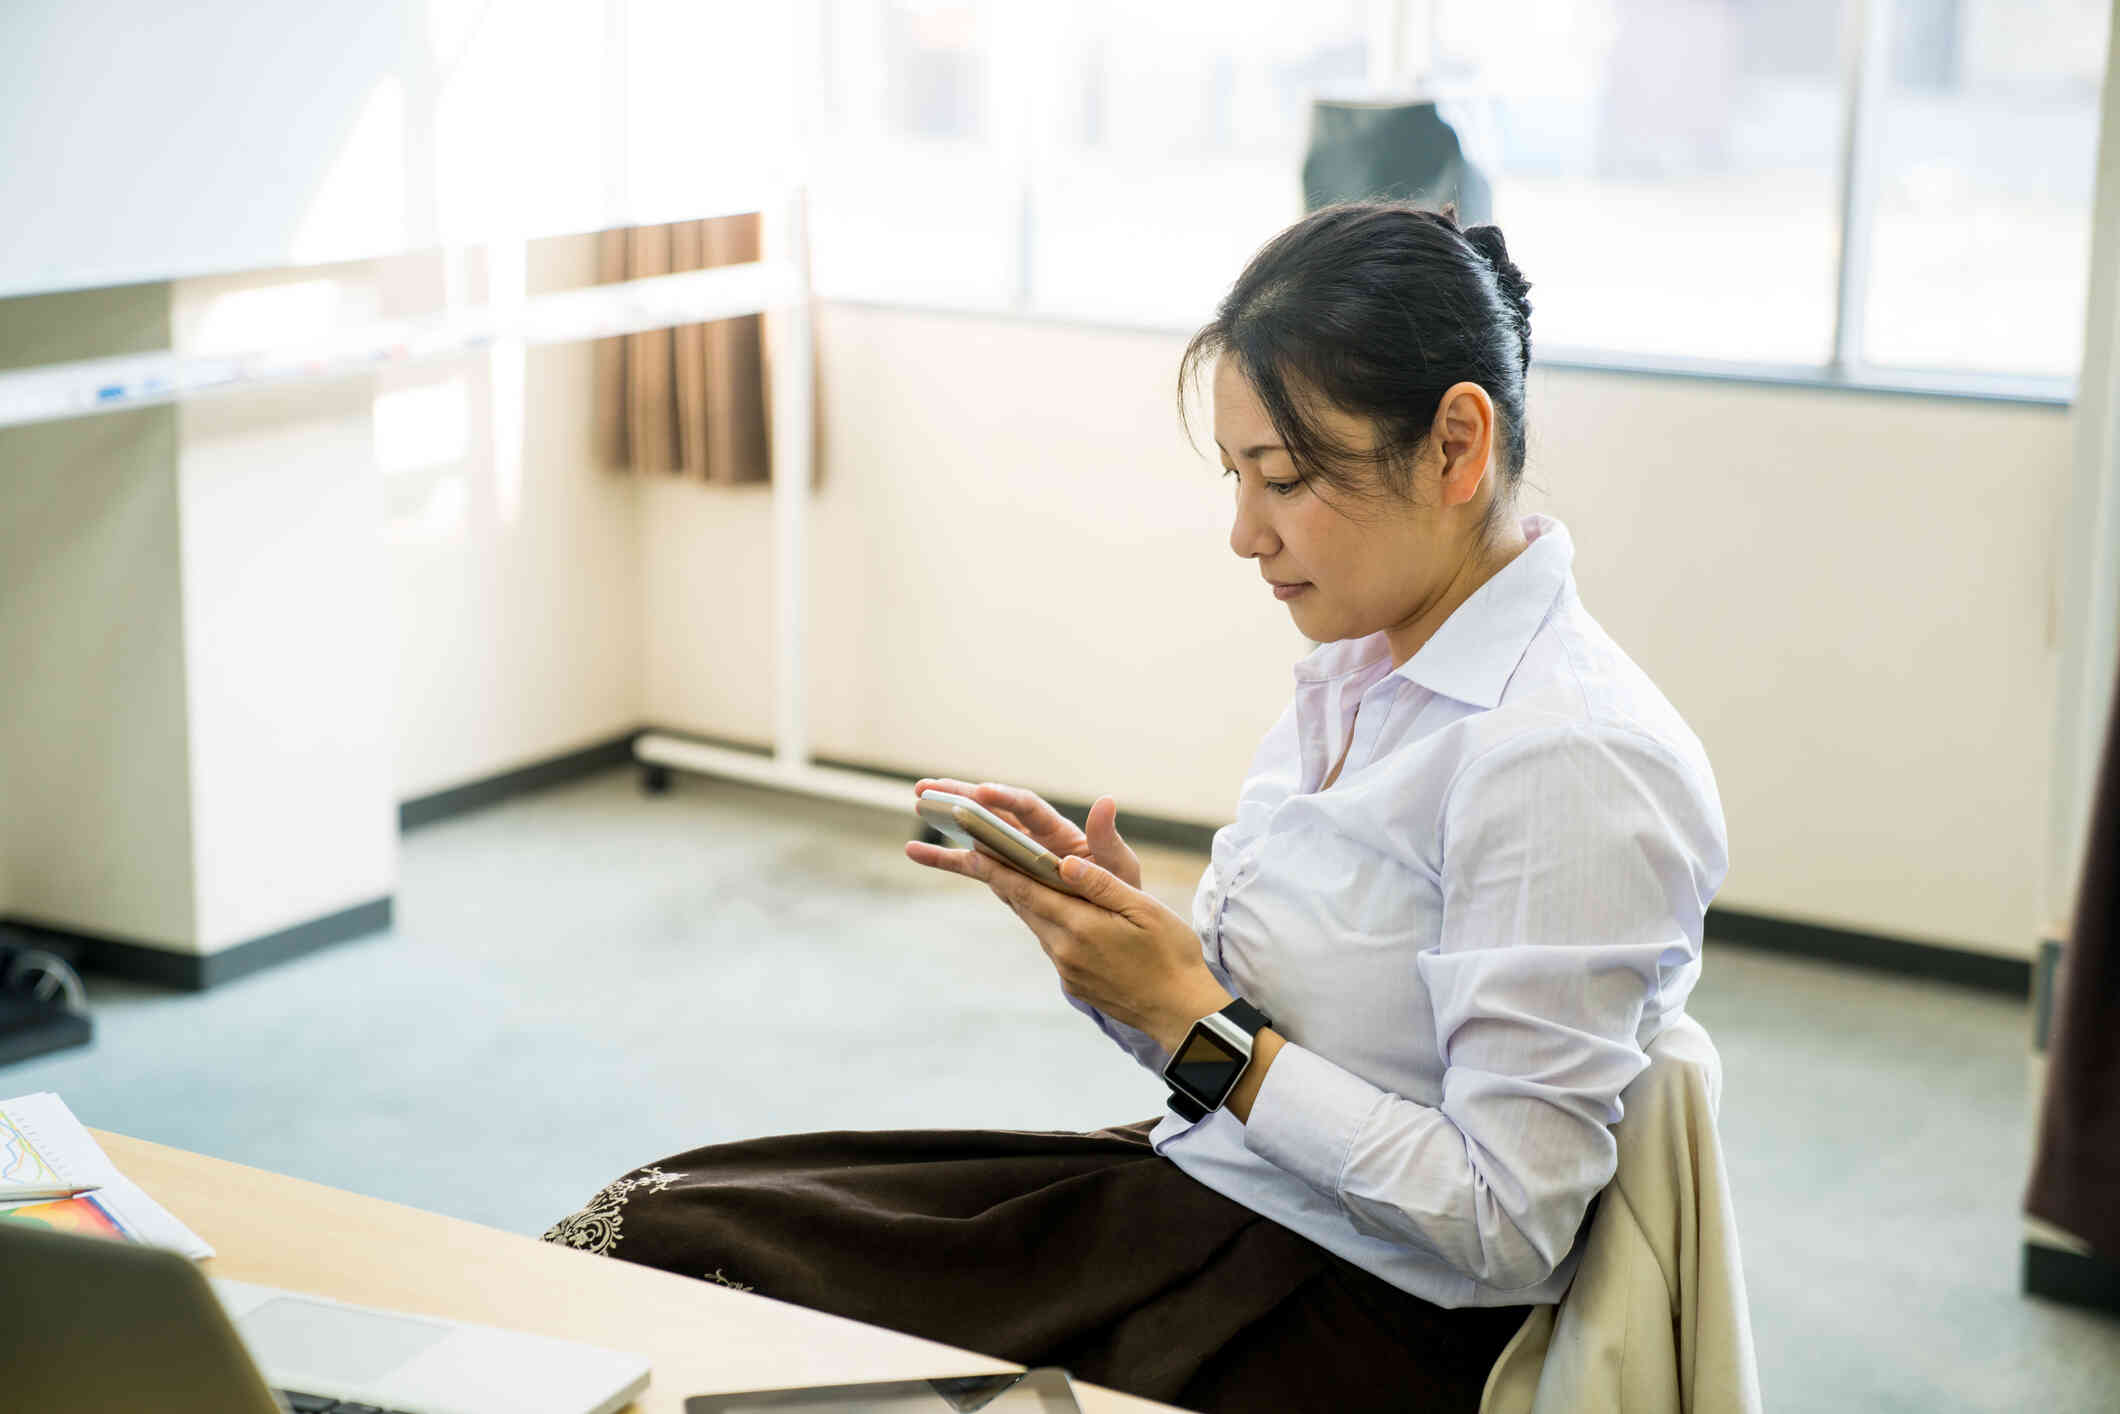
1487, 240
1378, 307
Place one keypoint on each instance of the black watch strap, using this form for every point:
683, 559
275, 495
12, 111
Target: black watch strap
1247, 1016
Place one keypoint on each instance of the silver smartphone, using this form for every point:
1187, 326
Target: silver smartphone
970, 825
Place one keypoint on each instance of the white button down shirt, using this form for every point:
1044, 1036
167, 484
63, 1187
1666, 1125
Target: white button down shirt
1467, 940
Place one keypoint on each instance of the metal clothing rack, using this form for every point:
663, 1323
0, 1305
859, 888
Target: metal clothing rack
791, 365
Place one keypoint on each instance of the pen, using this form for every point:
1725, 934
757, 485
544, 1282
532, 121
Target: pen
16, 1193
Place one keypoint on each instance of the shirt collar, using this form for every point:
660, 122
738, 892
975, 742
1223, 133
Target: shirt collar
1472, 655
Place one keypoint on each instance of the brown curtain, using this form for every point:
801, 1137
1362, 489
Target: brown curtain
689, 401
2075, 1181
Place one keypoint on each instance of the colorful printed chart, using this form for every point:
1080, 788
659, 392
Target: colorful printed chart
82, 1215
20, 1160
44, 1146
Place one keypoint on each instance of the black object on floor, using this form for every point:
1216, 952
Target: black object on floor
30, 1028
42, 1005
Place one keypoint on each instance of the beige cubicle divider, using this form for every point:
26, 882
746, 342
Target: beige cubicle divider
196, 749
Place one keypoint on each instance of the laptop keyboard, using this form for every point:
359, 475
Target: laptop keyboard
324, 1404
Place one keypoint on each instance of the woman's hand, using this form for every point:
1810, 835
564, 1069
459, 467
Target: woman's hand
1029, 813
1118, 949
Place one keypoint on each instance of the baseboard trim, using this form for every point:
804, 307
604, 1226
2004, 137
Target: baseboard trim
195, 972
476, 795
1872, 951
2071, 1277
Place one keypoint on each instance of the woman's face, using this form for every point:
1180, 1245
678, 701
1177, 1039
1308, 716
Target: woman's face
1395, 566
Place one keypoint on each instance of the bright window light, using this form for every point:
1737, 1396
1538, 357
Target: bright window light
1665, 170
422, 426
270, 316
1987, 147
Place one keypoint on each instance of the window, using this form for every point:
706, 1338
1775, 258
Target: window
1171, 148
1673, 175
917, 192
1665, 170
1987, 143
1097, 160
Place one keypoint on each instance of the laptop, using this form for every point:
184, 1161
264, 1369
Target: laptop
90, 1325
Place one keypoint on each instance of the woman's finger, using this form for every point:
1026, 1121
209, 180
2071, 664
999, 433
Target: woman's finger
1034, 902
943, 783
1028, 897
956, 861
1105, 845
1034, 817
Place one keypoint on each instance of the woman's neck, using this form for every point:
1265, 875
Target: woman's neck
1411, 636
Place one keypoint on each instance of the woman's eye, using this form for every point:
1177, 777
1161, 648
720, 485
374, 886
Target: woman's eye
1280, 488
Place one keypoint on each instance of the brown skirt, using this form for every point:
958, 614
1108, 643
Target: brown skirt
1088, 1251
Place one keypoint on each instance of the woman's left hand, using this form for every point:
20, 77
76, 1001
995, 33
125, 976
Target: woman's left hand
1117, 948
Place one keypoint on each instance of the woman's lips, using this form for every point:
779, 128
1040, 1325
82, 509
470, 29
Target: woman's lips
1289, 591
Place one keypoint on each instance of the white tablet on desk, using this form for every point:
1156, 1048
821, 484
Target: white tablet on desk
1041, 1391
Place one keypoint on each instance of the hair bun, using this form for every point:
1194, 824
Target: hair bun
1487, 240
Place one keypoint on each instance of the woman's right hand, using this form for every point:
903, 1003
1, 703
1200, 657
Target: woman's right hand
1028, 813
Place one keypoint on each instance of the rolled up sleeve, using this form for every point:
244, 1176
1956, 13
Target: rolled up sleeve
1577, 863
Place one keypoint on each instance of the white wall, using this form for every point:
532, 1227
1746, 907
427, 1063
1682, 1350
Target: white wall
1847, 595
514, 574
1850, 598
1018, 572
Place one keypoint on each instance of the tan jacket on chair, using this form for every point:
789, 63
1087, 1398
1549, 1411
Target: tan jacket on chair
1655, 1321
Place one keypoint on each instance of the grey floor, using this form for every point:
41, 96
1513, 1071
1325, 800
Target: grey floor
588, 979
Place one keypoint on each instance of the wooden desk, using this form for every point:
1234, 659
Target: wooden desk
701, 1338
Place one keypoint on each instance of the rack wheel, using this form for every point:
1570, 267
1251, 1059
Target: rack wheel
655, 780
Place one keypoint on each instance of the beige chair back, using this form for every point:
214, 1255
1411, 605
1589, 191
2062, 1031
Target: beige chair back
1655, 1321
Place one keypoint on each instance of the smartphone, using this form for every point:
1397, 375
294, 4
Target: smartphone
971, 825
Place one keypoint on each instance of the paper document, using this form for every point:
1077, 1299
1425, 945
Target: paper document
42, 1143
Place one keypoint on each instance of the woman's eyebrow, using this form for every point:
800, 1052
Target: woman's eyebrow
1252, 453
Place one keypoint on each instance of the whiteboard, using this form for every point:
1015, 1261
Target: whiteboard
146, 141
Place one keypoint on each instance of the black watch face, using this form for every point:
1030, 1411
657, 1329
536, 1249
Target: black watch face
1205, 1067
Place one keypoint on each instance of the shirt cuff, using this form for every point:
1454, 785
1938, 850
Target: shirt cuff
1307, 1116
1136, 1043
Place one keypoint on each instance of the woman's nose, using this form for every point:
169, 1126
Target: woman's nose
1249, 536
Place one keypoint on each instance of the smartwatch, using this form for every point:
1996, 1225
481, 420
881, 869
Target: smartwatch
1212, 1058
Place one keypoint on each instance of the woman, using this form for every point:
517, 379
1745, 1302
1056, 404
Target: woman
1466, 884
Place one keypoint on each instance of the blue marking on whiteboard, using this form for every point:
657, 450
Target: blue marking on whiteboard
115, 390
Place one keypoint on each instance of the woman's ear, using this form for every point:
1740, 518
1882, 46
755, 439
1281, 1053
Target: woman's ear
1464, 430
